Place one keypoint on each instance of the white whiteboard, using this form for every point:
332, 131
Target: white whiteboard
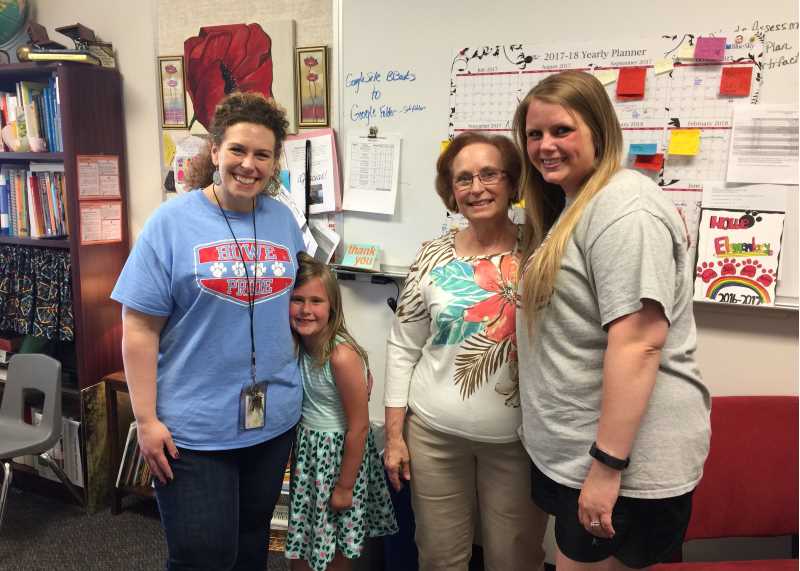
394, 67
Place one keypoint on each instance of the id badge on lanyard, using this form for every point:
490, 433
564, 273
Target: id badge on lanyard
253, 406
253, 397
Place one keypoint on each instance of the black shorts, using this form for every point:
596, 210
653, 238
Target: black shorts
647, 531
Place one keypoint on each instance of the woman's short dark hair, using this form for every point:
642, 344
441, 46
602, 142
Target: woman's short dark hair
512, 163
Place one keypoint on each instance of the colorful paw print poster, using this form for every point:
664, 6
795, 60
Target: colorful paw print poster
737, 256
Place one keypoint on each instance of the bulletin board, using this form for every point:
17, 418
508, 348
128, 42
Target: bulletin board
426, 70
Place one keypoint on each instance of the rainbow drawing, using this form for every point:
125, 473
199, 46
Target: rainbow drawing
723, 282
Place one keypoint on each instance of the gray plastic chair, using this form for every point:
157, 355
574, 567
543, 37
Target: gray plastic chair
28, 372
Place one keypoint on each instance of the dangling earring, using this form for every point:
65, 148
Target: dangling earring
216, 178
274, 185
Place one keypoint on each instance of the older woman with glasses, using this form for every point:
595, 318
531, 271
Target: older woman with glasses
452, 397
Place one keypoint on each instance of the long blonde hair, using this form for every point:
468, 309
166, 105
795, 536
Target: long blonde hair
581, 93
308, 268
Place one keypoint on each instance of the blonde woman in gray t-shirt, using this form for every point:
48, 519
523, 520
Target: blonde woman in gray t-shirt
615, 414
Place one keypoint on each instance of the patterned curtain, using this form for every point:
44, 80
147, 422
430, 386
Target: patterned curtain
36, 292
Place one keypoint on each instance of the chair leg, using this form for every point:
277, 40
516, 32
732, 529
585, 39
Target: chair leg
7, 475
73, 489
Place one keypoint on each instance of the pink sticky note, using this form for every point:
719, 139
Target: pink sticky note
710, 49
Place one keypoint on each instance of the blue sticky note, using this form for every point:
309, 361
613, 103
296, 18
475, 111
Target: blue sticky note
285, 179
644, 148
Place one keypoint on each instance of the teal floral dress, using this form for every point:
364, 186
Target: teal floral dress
315, 531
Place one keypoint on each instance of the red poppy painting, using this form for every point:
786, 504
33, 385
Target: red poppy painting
312, 86
224, 59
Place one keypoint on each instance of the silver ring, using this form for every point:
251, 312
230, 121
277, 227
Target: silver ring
594, 524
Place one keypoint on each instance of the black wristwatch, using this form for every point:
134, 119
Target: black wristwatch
608, 459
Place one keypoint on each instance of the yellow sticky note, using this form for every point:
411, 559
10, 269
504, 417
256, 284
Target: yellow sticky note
684, 142
606, 76
663, 66
686, 51
169, 148
443, 146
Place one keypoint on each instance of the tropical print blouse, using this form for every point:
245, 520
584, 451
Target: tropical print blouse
452, 351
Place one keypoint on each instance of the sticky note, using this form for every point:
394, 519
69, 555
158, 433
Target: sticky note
606, 76
684, 142
443, 145
686, 51
735, 81
663, 66
710, 49
643, 148
168, 147
630, 83
649, 162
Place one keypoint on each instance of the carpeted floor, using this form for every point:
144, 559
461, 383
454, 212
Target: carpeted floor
43, 534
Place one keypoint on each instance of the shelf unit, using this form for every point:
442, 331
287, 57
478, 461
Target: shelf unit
92, 123
114, 384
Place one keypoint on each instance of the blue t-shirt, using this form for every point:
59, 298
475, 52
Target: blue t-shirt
185, 267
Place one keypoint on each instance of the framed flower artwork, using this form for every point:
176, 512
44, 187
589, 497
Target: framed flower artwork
173, 92
313, 103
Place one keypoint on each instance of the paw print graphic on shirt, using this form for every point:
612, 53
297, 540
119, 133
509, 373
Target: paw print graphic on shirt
218, 269
238, 269
258, 269
278, 269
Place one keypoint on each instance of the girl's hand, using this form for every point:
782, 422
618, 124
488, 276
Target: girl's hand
598, 496
153, 437
341, 498
396, 461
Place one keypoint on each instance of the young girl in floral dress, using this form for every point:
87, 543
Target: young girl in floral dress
339, 497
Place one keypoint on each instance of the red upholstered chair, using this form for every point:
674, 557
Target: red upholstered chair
749, 486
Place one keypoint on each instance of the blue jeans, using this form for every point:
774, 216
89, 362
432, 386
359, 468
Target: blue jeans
216, 511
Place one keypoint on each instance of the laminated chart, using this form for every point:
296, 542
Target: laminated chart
488, 82
676, 126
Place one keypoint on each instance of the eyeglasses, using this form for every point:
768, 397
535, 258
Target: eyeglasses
487, 176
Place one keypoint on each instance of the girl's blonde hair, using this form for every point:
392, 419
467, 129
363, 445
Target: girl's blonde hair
582, 94
307, 269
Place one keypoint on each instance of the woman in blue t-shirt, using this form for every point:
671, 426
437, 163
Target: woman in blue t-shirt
208, 352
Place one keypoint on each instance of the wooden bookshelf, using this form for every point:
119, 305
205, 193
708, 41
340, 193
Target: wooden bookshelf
28, 157
59, 243
114, 384
92, 123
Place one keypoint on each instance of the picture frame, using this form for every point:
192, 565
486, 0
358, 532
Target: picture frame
172, 83
312, 86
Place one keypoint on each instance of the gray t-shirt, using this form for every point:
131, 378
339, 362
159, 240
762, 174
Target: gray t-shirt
630, 244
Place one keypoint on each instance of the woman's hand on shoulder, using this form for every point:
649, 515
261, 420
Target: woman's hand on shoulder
153, 437
341, 498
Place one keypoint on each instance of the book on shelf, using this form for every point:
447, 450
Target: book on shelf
33, 112
35, 201
126, 453
133, 471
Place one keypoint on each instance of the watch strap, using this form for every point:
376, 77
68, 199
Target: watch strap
607, 459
